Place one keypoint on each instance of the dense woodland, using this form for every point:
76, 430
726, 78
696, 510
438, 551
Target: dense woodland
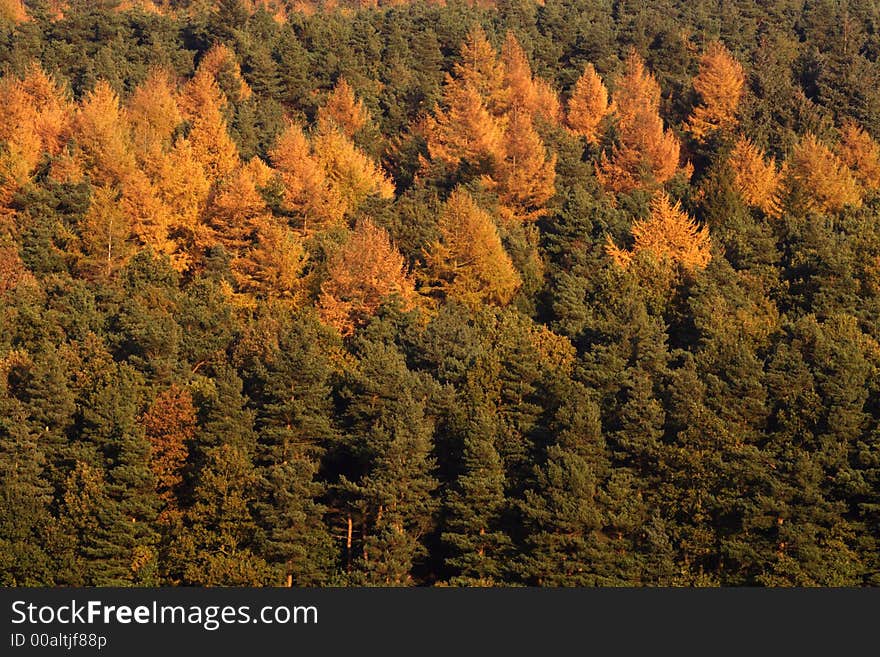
572, 294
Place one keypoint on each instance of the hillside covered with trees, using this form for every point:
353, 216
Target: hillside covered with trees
580, 293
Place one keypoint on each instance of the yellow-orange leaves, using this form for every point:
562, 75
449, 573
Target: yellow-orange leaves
668, 234
719, 83
861, 154
480, 70
343, 110
469, 262
464, 130
823, 181
526, 92
201, 102
307, 188
365, 272
756, 178
221, 65
588, 105
102, 134
525, 177
646, 154
351, 171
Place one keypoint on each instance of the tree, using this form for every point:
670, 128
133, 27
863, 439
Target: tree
365, 272
463, 130
646, 155
668, 234
588, 105
469, 262
352, 173
479, 69
343, 110
102, 132
307, 186
757, 179
821, 180
170, 426
221, 64
154, 116
719, 84
106, 233
525, 177
201, 103
526, 92
475, 506
861, 154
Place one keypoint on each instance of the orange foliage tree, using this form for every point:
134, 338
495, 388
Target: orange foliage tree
719, 84
479, 69
221, 64
352, 173
861, 154
365, 272
464, 130
106, 234
525, 91
102, 133
525, 177
343, 110
468, 263
668, 234
170, 424
757, 178
35, 118
646, 155
307, 187
588, 105
202, 103
822, 181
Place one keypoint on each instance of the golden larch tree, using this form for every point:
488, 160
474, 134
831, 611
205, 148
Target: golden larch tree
463, 130
479, 69
756, 177
468, 263
234, 212
184, 187
170, 425
861, 154
351, 172
154, 116
102, 133
12, 12
588, 105
365, 272
525, 178
525, 91
272, 266
221, 64
821, 179
646, 155
307, 187
669, 234
201, 103
343, 110
719, 84
106, 233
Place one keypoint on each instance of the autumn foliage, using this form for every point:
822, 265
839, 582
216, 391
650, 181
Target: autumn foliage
719, 85
646, 155
469, 263
365, 272
669, 234
588, 105
757, 178
861, 154
343, 110
821, 179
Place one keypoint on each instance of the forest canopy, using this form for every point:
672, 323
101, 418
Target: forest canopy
575, 293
